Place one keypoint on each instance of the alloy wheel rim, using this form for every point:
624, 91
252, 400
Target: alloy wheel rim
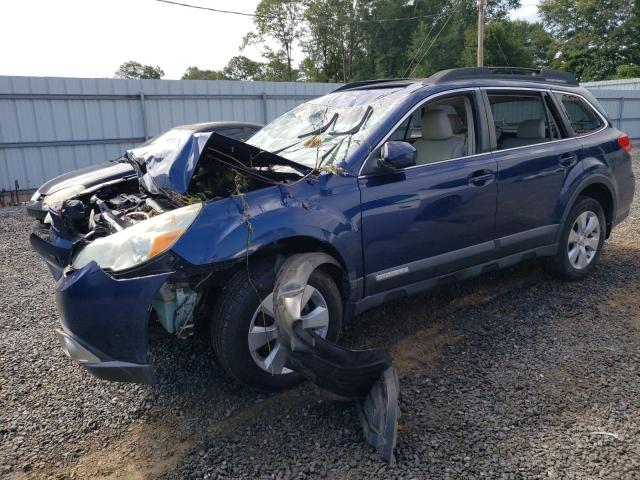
584, 240
266, 351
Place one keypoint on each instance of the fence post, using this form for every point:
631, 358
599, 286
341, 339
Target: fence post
264, 108
143, 110
621, 115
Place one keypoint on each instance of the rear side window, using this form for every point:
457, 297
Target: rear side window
581, 116
520, 119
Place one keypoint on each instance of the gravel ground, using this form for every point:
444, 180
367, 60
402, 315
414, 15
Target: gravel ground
511, 375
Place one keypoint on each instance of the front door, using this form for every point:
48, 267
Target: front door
438, 216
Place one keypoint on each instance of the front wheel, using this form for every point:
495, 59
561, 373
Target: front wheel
243, 330
581, 241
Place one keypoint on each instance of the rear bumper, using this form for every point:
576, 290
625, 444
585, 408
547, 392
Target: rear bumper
104, 322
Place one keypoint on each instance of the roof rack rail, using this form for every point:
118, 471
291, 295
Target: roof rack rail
504, 73
366, 83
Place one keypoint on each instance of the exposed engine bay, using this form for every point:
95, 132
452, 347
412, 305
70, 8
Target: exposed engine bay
225, 167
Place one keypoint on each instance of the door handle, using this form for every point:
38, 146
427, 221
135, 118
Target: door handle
480, 178
568, 160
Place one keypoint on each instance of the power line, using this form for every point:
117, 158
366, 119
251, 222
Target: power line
500, 47
417, 52
431, 45
254, 15
217, 10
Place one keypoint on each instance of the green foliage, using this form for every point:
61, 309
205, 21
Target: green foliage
194, 73
512, 43
346, 40
133, 69
593, 37
627, 71
243, 68
278, 20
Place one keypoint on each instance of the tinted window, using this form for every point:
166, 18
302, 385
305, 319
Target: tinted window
581, 116
237, 133
520, 119
440, 130
249, 131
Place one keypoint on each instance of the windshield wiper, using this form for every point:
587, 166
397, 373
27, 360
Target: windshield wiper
357, 126
321, 129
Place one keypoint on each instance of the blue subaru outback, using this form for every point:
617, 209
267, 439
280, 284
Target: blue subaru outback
407, 184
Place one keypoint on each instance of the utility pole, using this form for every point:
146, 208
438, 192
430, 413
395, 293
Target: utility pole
481, 4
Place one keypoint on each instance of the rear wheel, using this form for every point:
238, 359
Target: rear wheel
243, 330
581, 241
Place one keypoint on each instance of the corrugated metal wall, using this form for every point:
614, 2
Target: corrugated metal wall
49, 126
623, 84
623, 108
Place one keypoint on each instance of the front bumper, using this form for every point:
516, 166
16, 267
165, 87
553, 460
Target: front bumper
37, 210
105, 322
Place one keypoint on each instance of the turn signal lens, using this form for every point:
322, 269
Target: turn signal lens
163, 242
625, 142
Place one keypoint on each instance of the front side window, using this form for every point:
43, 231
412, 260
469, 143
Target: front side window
440, 130
581, 116
520, 119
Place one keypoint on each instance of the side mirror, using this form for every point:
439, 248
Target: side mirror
396, 155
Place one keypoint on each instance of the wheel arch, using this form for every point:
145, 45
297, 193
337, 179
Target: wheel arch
305, 244
600, 189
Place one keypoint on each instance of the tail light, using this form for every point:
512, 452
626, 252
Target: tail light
625, 142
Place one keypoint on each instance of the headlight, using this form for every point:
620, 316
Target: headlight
140, 242
62, 195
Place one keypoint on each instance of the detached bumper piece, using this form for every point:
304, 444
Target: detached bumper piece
104, 322
366, 376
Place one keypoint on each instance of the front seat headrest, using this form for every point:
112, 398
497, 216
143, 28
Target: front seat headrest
456, 123
436, 125
533, 128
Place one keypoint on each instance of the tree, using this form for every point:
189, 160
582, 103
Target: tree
627, 71
277, 68
510, 43
243, 68
281, 21
133, 69
194, 73
594, 36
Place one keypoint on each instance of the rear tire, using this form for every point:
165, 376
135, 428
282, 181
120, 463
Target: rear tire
234, 316
581, 241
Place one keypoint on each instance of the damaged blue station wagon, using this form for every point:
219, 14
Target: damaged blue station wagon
407, 184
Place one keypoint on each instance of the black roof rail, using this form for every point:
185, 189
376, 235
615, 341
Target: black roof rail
392, 82
503, 73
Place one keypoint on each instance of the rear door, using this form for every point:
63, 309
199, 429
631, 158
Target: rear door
535, 159
438, 216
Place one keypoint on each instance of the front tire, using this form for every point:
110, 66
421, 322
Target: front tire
581, 241
243, 332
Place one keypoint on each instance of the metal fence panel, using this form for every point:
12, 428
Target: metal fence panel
623, 109
49, 126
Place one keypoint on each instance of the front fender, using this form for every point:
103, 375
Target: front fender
326, 210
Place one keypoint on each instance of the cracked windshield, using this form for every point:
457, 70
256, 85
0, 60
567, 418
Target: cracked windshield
323, 132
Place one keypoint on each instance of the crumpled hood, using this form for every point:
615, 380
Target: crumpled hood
168, 162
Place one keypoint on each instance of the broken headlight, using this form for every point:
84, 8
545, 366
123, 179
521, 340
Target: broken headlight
61, 195
139, 243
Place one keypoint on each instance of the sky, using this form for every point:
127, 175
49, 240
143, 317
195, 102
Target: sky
91, 38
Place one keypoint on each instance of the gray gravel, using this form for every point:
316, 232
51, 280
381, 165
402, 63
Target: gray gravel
511, 375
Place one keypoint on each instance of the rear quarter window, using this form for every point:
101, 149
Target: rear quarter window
581, 115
